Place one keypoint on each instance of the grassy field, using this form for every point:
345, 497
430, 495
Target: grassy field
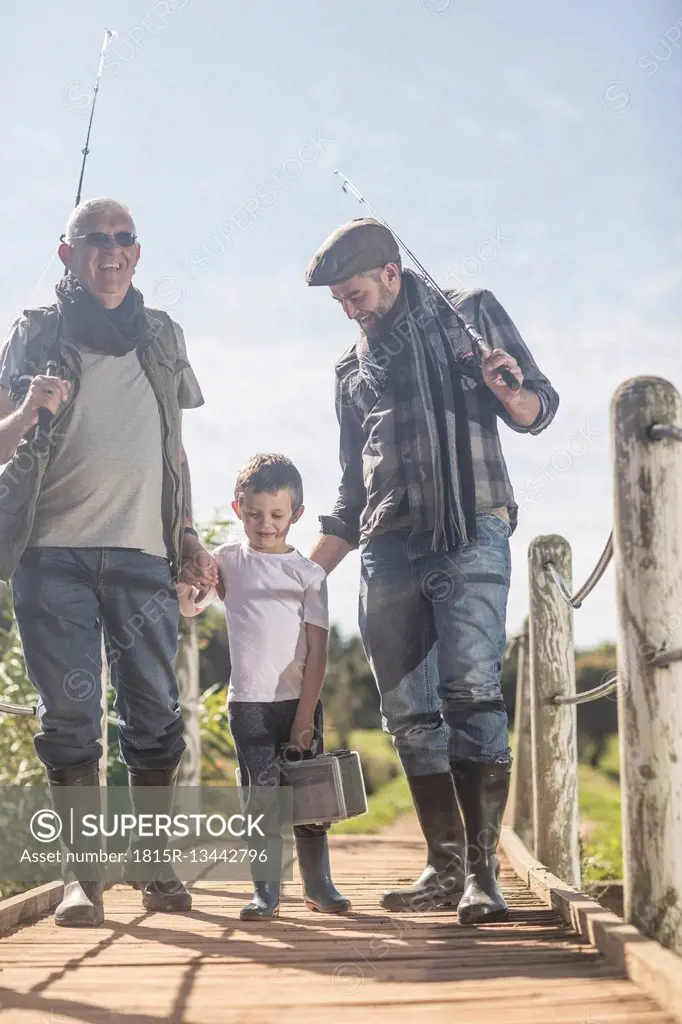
383, 807
599, 801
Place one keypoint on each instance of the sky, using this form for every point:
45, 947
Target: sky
532, 149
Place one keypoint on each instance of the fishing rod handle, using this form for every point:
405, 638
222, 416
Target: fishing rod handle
45, 416
480, 343
510, 380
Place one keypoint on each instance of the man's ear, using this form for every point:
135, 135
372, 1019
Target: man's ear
65, 253
236, 509
297, 514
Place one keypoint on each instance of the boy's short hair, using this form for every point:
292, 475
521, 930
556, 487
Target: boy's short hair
270, 472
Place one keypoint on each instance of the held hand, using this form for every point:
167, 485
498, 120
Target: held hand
198, 566
302, 733
490, 368
44, 393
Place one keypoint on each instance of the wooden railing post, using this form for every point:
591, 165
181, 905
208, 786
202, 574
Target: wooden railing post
553, 727
522, 774
648, 558
187, 673
104, 713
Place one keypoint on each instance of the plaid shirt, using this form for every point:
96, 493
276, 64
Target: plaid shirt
373, 495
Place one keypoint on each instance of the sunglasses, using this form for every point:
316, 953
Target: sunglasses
98, 239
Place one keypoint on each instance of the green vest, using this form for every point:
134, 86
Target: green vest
21, 479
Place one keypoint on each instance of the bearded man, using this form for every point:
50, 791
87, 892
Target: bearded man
426, 496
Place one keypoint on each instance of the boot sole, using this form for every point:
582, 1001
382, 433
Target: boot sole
80, 918
163, 907
327, 910
248, 916
416, 905
495, 915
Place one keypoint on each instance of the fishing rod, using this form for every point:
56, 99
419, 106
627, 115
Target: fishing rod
42, 434
477, 339
109, 34
45, 417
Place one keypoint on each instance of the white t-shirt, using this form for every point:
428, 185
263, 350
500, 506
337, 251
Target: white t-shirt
268, 601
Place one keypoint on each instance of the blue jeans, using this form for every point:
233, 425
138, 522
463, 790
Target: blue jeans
433, 629
63, 599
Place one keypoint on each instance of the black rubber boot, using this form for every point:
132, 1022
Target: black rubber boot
264, 904
319, 891
163, 891
441, 883
482, 791
81, 906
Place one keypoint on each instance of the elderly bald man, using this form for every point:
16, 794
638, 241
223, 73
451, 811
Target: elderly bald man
96, 525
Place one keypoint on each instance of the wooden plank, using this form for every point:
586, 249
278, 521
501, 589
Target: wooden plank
207, 966
655, 970
27, 906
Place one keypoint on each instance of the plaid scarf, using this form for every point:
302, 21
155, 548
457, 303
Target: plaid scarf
422, 354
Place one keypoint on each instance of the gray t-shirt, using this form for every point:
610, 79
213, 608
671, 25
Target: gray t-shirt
103, 485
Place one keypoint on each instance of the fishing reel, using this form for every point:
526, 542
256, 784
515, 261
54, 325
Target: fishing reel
19, 383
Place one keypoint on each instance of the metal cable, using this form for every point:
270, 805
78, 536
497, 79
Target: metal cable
660, 430
600, 568
587, 695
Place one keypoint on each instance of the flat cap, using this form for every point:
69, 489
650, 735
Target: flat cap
360, 245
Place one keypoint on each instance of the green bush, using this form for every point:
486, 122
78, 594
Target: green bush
218, 757
19, 764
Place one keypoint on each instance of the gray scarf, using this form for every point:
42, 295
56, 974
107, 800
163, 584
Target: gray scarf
423, 355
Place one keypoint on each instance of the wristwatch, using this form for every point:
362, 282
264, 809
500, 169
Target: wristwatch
190, 529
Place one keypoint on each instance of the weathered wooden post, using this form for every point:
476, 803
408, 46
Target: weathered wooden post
104, 708
522, 775
553, 727
648, 557
187, 672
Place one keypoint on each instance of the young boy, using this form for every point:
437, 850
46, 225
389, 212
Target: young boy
277, 621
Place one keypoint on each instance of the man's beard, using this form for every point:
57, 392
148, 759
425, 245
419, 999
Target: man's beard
383, 318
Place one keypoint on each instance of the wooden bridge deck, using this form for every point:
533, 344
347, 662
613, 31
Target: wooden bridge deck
207, 967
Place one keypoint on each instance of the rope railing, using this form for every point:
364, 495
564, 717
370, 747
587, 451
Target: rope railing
17, 709
608, 686
657, 431
577, 599
645, 546
666, 657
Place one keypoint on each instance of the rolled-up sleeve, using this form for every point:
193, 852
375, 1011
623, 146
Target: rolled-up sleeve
12, 349
344, 519
189, 392
499, 331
